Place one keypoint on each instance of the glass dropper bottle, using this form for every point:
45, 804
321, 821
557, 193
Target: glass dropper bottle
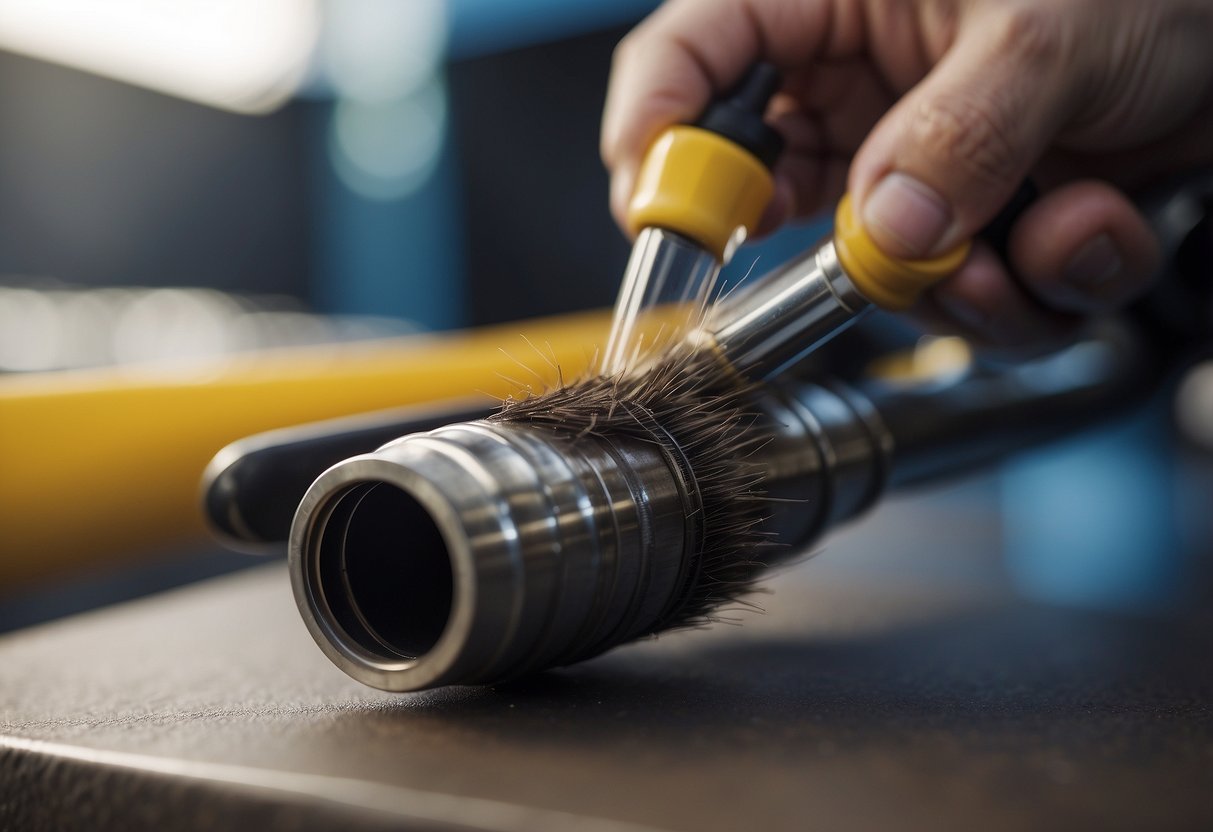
699, 194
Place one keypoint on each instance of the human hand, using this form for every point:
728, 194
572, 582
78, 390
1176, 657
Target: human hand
931, 113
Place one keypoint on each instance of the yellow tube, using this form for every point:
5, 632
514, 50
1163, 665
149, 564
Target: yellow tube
99, 466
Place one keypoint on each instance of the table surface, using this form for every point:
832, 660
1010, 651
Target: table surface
850, 704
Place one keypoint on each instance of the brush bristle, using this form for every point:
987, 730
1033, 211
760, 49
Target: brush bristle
685, 403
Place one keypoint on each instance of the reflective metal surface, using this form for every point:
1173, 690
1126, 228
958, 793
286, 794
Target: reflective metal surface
536, 549
479, 551
484, 550
761, 328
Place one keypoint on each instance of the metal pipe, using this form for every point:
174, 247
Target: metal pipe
765, 326
484, 550
946, 430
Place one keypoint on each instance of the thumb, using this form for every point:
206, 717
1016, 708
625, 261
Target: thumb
940, 164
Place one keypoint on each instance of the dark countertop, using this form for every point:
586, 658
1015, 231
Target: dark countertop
849, 705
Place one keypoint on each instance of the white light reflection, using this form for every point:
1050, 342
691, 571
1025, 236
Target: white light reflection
238, 55
389, 123
389, 149
169, 324
381, 50
85, 342
49, 327
1194, 405
30, 327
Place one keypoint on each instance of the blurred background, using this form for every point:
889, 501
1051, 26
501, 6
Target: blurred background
203, 178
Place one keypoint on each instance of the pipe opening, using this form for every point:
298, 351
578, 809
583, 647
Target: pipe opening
385, 571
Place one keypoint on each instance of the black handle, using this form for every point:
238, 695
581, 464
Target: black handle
253, 486
737, 115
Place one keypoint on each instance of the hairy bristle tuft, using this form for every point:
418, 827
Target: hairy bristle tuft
702, 416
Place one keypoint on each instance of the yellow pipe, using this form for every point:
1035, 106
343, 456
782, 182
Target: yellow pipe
99, 466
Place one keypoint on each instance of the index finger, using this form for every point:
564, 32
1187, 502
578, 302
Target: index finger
666, 70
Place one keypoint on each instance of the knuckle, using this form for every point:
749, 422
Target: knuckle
968, 135
623, 49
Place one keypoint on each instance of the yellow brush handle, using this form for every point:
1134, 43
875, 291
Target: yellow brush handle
889, 282
98, 466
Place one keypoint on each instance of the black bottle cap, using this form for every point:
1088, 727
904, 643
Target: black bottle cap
738, 115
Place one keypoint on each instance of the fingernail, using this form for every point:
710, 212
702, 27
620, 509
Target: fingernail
1095, 265
964, 312
906, 217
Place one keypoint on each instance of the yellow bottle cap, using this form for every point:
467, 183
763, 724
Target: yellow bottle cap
889, 282
698, 184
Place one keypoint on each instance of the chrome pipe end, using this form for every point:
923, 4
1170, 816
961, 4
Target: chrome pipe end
482, 551
389, 621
